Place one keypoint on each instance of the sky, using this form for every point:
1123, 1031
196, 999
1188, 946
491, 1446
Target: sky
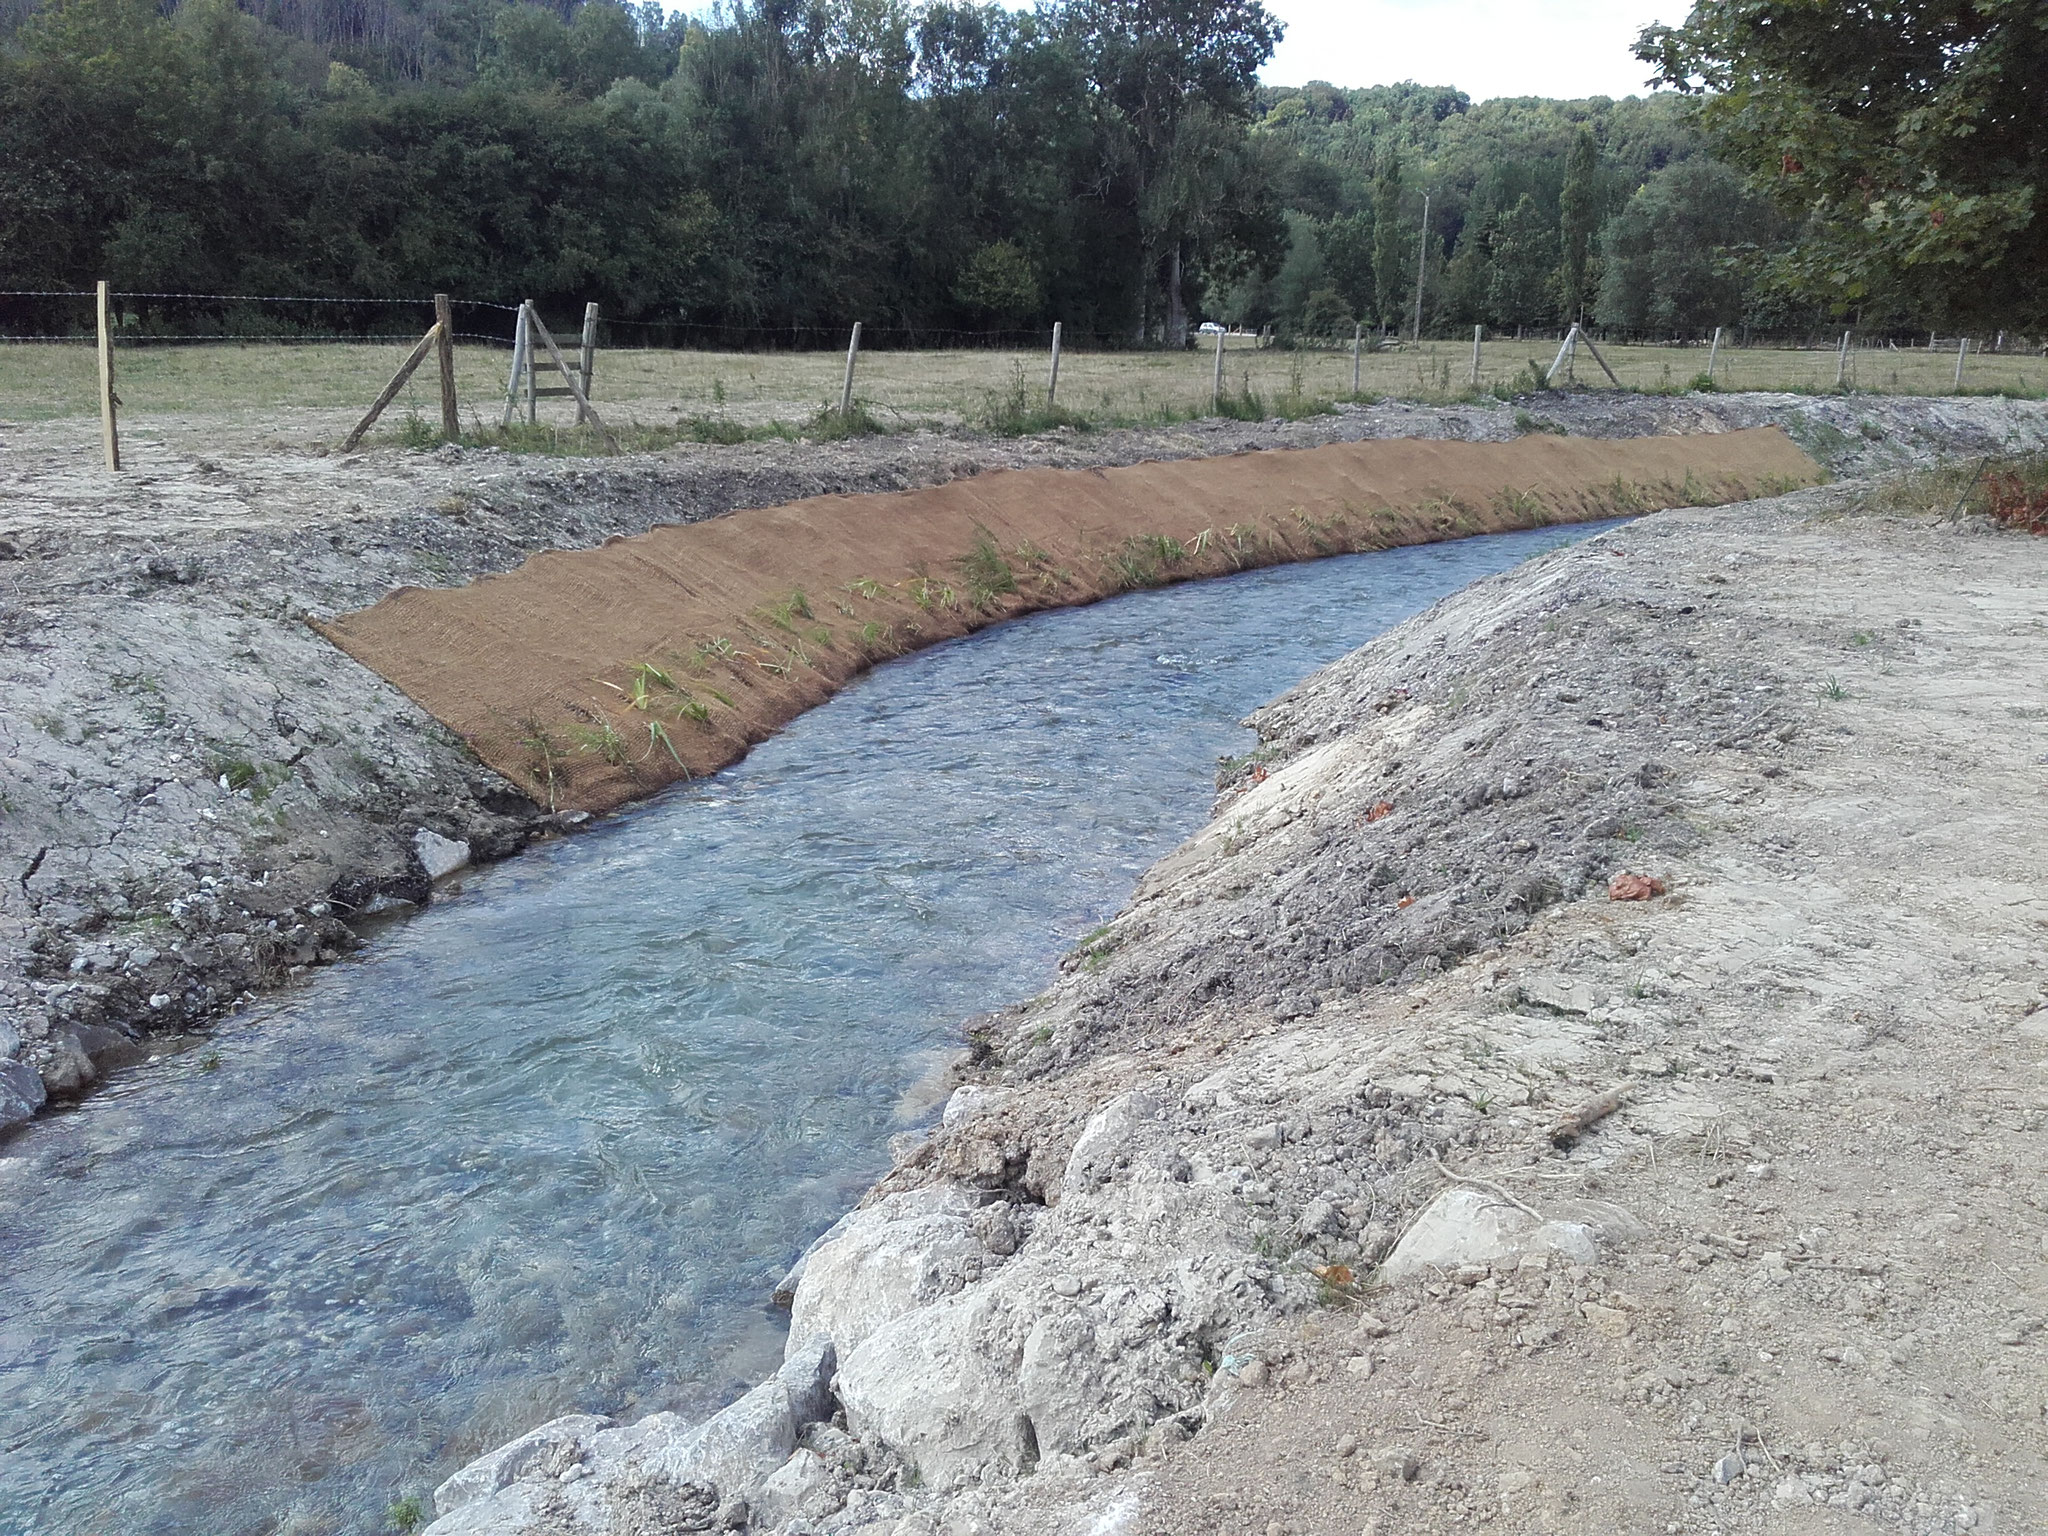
1483, 47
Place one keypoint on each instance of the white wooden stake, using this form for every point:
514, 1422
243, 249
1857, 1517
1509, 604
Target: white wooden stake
522, 344
1216, 387
1478, 331
1564, 353
852, 357
1842, 360
1962, 351
588, 359
1052, 380
1713, 354
110, 432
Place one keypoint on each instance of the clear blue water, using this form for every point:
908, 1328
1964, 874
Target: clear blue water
547, 1146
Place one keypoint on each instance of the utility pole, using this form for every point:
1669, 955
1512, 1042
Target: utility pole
1421, 266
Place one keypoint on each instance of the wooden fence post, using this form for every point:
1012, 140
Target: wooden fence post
852, 357
533, 325
1600, 360
522, 343
413, 359
1962, 351
1357, 344
444, 320
110, 433
588, 359
1564, 353
1216, 386
1052, 380
1842, 360
1713, 354
1478, 334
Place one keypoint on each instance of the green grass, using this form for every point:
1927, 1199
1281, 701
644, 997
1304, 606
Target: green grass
987, 575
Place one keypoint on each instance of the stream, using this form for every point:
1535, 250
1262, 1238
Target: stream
546, 1147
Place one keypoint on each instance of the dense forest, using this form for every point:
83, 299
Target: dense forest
780, 165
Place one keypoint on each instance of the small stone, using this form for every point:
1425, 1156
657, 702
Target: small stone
1067, 1285
1252, 1373
1729, 1468
439, 856
1515, 1480
1371, 1327
1396, 1464
1359, 1366
1347, 1446
1266, 1138
1611, 1321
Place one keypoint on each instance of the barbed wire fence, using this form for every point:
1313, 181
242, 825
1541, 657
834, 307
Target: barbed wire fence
1263, 369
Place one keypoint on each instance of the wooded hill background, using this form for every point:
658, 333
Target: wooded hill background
781, 165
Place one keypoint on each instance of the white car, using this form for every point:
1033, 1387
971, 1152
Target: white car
1211, 328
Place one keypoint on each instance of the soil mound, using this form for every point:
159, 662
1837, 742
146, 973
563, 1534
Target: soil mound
594, 677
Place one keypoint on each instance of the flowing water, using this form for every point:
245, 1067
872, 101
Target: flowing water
547, 1147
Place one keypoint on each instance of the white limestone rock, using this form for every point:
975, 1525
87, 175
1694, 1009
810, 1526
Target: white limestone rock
1469, 1226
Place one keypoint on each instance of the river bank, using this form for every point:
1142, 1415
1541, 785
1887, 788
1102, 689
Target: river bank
1587, 1073
202, 800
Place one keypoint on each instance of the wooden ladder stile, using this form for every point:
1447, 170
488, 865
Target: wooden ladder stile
530, 359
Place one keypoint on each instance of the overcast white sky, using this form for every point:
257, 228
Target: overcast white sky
1483, 47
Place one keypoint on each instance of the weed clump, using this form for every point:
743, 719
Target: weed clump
987, 575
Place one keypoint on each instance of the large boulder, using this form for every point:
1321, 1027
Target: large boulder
904, 1252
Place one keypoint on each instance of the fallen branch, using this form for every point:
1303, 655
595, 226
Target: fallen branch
1486, 1184
1589, 1114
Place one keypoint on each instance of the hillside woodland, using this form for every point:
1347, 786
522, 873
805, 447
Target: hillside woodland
774, 168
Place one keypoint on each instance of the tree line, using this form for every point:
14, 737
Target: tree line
780, 165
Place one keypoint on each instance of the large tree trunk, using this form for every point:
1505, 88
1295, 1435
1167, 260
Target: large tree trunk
1176, 311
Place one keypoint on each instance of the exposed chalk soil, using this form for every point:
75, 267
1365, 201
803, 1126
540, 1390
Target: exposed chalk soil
1591, 1074
200, 799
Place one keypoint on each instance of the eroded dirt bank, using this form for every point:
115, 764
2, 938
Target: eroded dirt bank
1262, 1219
196, 791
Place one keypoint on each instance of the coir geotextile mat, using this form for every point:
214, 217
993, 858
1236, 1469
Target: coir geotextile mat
596, 676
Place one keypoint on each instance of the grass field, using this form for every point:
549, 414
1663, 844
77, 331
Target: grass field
310, 394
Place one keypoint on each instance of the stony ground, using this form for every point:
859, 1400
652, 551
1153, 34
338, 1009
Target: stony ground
1589, 1075
1819, 1295
200, 799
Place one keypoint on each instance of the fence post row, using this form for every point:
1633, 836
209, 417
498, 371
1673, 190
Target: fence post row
110, 432
1052, 380
852, 357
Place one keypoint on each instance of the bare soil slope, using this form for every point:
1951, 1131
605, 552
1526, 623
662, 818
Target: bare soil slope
594, 677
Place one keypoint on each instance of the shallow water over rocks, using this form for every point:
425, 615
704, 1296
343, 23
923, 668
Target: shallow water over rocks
546, 1147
